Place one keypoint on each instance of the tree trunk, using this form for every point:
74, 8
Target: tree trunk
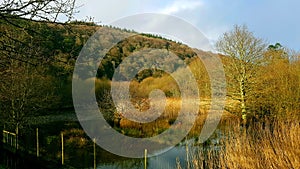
243, 98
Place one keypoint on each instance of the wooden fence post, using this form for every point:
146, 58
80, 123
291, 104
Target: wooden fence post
37, 143
62, 148
145, 159
95, 162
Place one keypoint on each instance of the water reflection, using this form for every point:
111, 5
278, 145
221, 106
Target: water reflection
166, 160
82, 156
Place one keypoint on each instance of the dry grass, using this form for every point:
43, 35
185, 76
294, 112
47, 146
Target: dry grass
169, 116
75, 138
263, 145
274, 145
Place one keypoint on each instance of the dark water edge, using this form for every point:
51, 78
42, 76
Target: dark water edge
9, 160
21, 160
105, 160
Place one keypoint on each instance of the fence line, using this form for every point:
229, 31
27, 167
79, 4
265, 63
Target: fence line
10, 139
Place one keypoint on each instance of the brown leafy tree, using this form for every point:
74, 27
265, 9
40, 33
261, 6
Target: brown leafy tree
277, 92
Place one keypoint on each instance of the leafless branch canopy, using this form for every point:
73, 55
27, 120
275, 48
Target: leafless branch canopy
47, 10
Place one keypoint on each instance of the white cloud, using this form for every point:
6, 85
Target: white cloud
181, 5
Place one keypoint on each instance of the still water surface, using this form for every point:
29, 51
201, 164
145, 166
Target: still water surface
165, 161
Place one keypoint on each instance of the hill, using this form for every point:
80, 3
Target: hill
38, 58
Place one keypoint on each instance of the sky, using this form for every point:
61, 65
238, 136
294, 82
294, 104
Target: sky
272, 20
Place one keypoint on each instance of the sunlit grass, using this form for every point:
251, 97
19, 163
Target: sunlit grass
263, 145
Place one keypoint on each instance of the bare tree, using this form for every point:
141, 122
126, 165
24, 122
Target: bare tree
48, 10
14, 15
23, 94
24, 88
246, 53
